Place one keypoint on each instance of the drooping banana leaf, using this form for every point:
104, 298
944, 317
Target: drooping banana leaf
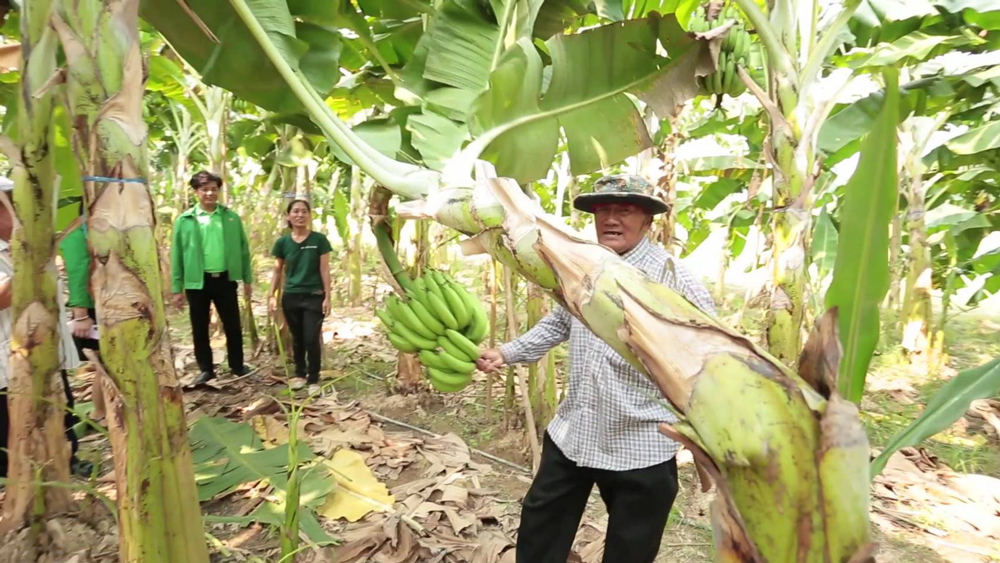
210, 36
517, 127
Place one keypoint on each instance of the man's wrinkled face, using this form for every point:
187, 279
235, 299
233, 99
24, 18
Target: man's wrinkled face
621, 226
208, 194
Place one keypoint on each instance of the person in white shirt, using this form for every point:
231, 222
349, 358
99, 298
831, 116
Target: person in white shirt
67, 349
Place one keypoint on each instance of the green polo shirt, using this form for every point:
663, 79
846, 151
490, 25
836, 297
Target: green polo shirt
302, 273
212, 239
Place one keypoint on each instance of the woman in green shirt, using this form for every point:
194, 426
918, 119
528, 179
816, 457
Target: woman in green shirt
302, 271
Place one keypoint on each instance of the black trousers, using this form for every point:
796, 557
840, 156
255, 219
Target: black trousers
638, 503
69, 421
219, 290
304, 315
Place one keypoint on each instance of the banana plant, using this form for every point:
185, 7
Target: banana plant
159, 515
37, 447
633, 314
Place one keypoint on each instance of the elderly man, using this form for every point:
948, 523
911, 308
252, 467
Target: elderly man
605, 430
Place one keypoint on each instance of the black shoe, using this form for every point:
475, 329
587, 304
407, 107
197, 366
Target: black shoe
81, 468
203, 378
245, 370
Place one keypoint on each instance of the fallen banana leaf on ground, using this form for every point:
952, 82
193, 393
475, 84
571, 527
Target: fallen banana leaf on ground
358, 492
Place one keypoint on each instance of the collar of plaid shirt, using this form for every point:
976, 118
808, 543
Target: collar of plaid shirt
609, 416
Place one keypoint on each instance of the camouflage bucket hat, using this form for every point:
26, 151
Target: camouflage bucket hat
621, 188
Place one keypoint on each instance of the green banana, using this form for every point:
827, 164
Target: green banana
419, 341
727, 78
448, 377
466, 345
386, 318
401, 344
454, 350
425, 316
470, 301
456, 306
479, 327
406, 316
431, 360
717, 77
455, 364
432, 285
447, 387
440, 309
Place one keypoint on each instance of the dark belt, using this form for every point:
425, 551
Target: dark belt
215, 274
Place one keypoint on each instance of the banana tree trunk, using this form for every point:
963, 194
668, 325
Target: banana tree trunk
37, 448
354, 251
916, 313
791, 474
159, 515
790, 226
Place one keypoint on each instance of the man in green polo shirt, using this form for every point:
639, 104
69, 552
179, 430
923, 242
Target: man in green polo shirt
210, 254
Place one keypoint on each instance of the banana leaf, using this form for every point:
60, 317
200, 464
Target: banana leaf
517, 127
861, 277
947, 406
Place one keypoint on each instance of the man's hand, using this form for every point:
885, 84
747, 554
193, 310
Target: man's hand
178, 300
5, 293
247, 290
326, 305
490, 360
272, 305
82, 327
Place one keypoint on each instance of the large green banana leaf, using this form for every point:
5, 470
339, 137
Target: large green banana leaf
517, 126
861, 277
210, 36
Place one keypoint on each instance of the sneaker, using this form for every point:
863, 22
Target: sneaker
297, 383
314, 389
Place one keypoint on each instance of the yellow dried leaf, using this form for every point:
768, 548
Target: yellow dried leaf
358, 492
271, 431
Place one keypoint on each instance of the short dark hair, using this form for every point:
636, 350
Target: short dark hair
203, 177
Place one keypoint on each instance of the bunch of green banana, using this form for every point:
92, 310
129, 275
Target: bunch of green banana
735, 46
438, 313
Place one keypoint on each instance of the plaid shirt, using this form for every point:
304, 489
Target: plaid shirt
609, 416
